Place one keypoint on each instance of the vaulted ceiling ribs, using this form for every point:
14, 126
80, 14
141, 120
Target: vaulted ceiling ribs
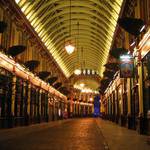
97, 21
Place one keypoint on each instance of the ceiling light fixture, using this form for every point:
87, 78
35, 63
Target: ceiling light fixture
82, 84
91, 99
17, 1
70, 48
77, 72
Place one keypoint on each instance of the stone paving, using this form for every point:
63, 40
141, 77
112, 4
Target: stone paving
75, 134
121, 138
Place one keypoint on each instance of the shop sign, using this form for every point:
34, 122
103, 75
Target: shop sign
126, 66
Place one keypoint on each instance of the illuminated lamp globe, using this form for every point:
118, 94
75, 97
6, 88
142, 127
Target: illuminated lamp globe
82, 84
69, 48
91, 99
77, 72
17, 1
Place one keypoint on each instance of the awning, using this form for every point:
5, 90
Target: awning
32, 64
43, 74
15, 50
131, 25
51, 80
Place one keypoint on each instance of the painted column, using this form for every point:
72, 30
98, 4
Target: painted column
46, 106
141, 124
29, 98
121, 100
13, 95
79, 109
37, 104
140, 88
24, 97
54, 114
129, 95
88, 110
40, 95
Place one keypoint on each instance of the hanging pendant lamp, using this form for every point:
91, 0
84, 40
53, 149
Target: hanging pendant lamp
69, 47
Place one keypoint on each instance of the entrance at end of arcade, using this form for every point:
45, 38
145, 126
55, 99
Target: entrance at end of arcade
96, 106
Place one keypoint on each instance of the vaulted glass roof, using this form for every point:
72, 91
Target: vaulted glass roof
92, 24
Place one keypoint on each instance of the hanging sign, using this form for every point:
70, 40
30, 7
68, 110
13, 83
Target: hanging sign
126, 66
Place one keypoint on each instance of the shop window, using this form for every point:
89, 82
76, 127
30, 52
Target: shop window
114, 108
32, 101
146, 82
19, 100
5, 92
119, 92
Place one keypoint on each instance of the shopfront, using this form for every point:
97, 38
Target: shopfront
146, 88
144, 47
5, 97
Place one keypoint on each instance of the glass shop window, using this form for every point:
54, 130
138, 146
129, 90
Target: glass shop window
18, 97
113, 97
42, 104
32, 91
5, 92
119, 99
146, 82
146, 67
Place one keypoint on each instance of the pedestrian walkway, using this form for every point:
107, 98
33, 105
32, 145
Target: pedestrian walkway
73, 134
121, 138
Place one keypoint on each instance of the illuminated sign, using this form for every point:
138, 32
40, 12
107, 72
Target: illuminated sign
126, 66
